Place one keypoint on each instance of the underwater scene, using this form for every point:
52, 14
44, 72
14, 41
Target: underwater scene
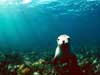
49, 37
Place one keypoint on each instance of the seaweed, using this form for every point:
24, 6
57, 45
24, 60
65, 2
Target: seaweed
30, 63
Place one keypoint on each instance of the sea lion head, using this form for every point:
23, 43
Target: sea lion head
63, 39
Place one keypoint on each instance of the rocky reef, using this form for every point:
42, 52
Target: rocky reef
33, 63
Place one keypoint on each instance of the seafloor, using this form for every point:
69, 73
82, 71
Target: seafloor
40, 63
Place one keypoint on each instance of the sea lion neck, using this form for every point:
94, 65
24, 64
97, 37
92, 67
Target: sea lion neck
65, 48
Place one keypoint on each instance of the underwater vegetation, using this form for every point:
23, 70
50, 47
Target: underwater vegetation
31, 63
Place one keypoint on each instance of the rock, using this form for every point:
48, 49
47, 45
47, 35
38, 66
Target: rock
36, 73
26, 71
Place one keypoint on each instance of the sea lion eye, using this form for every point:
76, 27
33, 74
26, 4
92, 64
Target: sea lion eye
58, 39
69, 39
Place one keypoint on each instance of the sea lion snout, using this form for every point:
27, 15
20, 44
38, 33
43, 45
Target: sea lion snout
63, 41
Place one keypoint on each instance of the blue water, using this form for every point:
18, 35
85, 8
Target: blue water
37, 24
